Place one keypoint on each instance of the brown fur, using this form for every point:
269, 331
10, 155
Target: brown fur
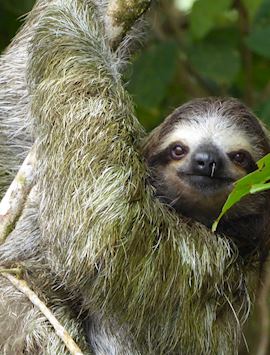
247, 222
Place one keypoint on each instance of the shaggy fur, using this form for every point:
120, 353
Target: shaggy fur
228, 126
15, 135
119, 270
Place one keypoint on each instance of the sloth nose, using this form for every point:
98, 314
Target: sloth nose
206, 162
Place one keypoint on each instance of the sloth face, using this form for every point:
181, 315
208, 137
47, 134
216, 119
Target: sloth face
199, 151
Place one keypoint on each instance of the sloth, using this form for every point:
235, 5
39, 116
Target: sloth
123, 273
195, 157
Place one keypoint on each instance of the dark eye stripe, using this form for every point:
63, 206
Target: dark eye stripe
163, 157
243, 159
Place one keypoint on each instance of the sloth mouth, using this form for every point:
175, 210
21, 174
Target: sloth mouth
210, 178
206, 181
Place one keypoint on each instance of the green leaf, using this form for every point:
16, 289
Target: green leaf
255, 182
216, 61
259, 188
205, 15
153, 72
259, 41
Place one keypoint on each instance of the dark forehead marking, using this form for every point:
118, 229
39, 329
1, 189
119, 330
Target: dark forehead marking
230, 108
188, 111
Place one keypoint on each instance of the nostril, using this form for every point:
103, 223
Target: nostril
206, 161
201, 163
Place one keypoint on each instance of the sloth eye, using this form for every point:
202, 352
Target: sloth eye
177, 152
240, 158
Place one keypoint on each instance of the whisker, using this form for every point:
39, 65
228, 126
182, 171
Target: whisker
173, 202
213, 169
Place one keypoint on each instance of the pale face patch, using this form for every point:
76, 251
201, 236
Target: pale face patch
212, 129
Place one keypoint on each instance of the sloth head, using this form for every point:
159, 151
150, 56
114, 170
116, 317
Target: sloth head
199, 151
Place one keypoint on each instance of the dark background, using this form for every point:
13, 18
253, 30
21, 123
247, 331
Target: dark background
213, 48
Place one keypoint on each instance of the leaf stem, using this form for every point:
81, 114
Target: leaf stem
247, 59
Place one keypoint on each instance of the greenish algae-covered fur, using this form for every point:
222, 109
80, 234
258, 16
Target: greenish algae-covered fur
117, 268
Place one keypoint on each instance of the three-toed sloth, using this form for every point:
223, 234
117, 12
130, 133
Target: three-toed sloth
195, 157
124, 272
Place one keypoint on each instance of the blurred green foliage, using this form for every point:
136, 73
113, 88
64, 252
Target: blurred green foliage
11, 12
219, 48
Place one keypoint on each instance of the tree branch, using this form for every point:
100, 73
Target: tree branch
22, 286
13, 202
244, 28
121, 16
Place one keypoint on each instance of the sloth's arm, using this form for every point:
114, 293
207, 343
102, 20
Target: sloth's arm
89, 165
118, 24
